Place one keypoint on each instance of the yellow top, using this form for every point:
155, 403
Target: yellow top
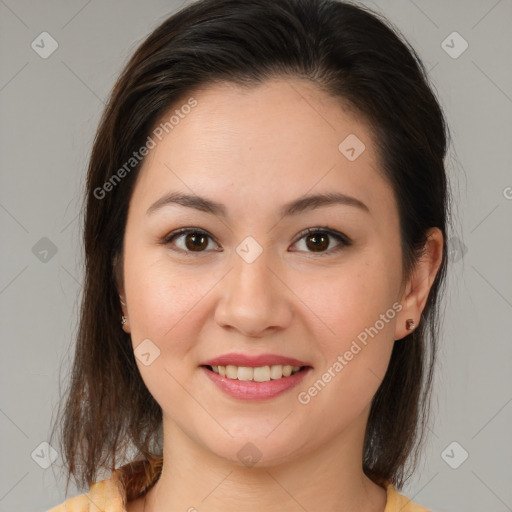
109, 496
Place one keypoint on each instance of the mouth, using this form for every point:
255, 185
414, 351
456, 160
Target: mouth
255, 383
257, 373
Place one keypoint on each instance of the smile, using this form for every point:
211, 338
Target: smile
244, 384
257, 374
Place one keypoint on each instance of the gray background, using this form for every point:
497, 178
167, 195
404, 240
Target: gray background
49, 111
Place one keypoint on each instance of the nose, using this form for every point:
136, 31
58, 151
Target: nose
254, 298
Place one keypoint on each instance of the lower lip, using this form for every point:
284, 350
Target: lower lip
251, 390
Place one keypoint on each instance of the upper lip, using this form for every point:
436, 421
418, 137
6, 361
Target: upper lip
253, 361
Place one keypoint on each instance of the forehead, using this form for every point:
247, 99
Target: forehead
269, 143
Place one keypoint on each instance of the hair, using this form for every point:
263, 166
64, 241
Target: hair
348, 52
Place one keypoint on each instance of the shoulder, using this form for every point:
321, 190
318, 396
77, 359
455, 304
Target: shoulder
397, 502
116, 493
105, 496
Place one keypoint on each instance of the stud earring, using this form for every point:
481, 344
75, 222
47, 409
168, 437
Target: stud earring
123, 320
409, 324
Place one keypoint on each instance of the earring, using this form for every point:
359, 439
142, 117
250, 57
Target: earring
409, 324
123, 318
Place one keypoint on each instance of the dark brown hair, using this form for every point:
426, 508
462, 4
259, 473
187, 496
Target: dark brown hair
348, 52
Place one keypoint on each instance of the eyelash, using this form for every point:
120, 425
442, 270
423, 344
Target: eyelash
340, 237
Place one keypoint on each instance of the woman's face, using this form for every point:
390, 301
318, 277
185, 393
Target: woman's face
252, 282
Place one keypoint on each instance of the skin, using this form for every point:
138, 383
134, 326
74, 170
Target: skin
254, 150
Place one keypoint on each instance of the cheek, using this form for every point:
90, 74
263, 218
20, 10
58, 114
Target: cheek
162, 297
164, 304
358, 317
353, 299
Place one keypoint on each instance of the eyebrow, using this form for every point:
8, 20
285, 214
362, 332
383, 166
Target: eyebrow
295, 207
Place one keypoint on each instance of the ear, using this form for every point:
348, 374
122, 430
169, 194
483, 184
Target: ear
418, 286
118, 276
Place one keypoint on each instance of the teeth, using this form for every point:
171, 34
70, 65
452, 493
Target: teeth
257, 374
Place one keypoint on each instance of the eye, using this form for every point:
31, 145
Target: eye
194, 239
317, 239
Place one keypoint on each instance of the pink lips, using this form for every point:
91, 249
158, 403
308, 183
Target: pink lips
253, 361
251, 390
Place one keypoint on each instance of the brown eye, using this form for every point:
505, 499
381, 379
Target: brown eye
315, 240
189, 240
319, 241
196, 241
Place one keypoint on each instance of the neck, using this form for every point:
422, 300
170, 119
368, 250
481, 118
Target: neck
328, 478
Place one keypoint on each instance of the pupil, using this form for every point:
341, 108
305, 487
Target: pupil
195, 237
316, 238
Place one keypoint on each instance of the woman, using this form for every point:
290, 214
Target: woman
265, 248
